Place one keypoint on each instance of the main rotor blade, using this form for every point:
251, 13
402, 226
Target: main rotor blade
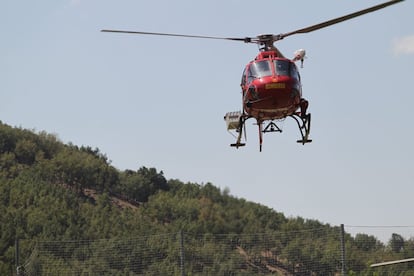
339, 19
245, 39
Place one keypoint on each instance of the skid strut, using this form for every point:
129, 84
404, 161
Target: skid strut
304, 127
242, 120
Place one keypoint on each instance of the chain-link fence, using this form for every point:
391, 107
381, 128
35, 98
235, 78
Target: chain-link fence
323, 251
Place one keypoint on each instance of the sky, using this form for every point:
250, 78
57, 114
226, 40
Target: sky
160, 101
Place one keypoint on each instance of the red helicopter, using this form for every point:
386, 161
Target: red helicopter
271, 84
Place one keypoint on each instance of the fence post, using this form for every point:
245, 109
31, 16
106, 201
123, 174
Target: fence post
182, 253
343, 261
17, 256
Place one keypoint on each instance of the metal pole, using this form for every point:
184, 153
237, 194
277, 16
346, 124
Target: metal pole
343, 272
182, 253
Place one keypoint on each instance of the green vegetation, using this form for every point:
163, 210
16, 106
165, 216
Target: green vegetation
50, 191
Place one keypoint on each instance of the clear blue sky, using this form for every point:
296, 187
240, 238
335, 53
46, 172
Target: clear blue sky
159, 102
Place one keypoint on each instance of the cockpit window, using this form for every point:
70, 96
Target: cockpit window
260, 69
294, 72
243, 80
282, 67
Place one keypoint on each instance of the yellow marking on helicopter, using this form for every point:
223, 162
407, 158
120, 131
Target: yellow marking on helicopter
275, 85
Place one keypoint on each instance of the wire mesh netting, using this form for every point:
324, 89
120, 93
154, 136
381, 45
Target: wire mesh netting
313, 252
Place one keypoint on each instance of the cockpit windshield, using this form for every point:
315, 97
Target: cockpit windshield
282, 67
260, 69
265, 68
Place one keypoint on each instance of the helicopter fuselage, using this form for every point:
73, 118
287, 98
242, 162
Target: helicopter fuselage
271, 87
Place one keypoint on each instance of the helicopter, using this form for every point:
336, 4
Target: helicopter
271, 83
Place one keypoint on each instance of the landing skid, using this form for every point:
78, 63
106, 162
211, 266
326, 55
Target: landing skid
237, 145
238, 125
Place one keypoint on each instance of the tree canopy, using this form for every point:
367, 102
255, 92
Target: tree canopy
55, 191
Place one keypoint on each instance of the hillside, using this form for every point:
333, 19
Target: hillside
50, 191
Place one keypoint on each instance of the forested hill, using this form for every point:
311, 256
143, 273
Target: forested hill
54, 191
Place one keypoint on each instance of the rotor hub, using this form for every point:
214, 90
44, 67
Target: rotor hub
266, 41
